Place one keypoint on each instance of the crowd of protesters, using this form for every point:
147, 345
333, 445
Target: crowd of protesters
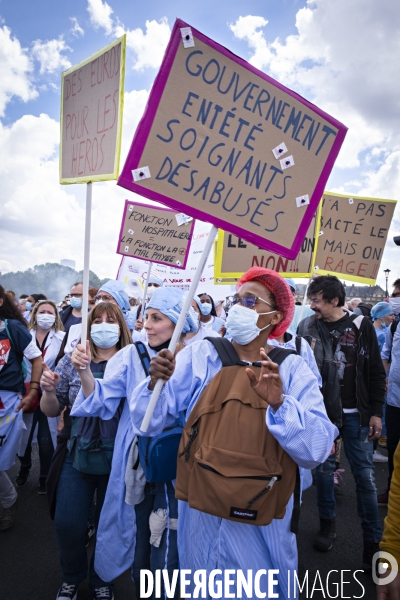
260, 396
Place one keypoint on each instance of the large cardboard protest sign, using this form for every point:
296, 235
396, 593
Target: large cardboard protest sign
225, 143
92, 94
234, 256
133, 272
352, 235
155, 234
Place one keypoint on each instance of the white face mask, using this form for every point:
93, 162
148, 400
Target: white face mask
45, 321
395, 305
241, 324
150, 290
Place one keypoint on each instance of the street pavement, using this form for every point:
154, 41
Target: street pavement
29, 563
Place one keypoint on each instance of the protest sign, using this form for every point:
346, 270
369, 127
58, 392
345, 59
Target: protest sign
155, 234
92, 94
133, 272
225, 143
352, 236
234, 256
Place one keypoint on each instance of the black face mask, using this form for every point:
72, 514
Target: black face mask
161, 346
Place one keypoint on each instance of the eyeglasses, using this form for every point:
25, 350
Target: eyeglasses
75, 295
104, 298
247, 301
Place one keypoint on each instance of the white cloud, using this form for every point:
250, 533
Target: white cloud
49, 55
148, 46
5, 266
342, 59
100, 15
76, 29
15, 71
249, 29
41, 221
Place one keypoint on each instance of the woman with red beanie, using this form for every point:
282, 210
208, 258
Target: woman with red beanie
294, 415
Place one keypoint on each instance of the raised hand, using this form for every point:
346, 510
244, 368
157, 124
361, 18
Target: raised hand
80, 357
269, 384
162, 366
49, 380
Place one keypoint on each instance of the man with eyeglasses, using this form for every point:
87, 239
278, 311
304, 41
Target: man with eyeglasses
391, 361
72, 314
353, 386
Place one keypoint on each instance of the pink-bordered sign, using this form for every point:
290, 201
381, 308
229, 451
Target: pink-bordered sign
156, 234
225, 143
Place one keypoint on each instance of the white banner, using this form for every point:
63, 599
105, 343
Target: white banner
133, 272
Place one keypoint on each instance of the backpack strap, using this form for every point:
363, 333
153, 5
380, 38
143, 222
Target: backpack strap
229, 356
278, 355
294, 523
227, 353
298, 344
393, 327
144, 356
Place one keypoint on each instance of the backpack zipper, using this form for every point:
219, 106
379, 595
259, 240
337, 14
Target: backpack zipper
270, 478
264, 491
193, 436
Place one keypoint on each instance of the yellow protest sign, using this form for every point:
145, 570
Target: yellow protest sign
234, 256
351, 236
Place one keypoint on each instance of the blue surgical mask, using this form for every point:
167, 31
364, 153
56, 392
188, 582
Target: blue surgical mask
104, 335
76, 302
205, 308
241, 324
28, 306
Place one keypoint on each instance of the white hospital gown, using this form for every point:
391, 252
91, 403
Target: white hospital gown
300, 425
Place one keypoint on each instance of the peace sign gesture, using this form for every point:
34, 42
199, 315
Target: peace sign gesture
269, 384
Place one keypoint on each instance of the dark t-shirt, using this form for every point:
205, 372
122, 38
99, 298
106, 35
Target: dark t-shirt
71, 320
346, 359
11, 378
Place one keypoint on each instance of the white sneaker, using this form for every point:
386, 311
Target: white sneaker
378, 457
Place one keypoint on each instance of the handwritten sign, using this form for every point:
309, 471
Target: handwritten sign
92, 94
133, 272
352, 236
226, 144
234, 256
155, 234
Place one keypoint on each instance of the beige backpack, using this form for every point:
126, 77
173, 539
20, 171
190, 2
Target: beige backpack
229, 464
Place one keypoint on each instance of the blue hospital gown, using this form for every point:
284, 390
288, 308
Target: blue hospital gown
300, 425
391, 352
116, 533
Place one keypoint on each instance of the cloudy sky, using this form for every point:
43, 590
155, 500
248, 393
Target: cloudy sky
341, 55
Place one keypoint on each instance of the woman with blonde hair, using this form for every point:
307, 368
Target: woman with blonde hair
47, 333
82, 461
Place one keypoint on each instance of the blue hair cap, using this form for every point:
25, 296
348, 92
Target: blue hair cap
169, 301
